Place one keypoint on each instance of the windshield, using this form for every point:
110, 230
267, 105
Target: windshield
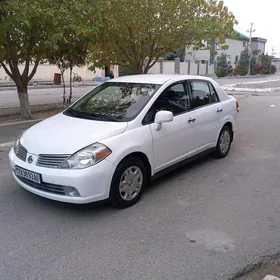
113, 101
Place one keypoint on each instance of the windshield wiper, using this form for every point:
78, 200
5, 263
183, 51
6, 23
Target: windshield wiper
108, 118
91, 116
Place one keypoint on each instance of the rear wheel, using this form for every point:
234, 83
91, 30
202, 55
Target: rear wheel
128, 182
224, 142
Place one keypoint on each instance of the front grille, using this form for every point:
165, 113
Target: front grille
21, 152
51, 161
46, 187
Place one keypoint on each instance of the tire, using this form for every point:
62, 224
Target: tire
223, 143
129, 180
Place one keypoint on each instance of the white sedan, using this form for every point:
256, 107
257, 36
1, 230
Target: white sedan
119, 135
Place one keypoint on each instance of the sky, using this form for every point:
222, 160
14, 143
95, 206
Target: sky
266, 18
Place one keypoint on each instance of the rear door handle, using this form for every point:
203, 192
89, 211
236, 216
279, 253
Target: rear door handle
219, 110
191, 120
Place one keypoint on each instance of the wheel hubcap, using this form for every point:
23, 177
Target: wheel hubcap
131, 183
224, 142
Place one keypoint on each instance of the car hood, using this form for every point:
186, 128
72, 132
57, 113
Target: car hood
62, 134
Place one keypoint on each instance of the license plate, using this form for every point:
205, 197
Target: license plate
29, 175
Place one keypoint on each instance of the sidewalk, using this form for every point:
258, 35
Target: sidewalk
5, 86
270, 85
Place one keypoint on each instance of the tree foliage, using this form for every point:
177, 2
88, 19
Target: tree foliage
135, 34
30, 29
222, 66
132, 34
260, 64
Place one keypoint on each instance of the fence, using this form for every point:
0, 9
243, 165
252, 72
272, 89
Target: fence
45, 72
187, 68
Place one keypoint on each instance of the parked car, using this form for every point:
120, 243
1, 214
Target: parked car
119, 135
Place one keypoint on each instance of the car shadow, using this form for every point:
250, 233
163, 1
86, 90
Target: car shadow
104, 208
176, 172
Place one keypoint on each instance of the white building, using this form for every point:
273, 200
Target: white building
235, 46
276, 61
258, 44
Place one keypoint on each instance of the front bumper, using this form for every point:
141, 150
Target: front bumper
93, 183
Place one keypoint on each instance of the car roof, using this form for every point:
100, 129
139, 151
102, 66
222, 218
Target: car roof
155, 78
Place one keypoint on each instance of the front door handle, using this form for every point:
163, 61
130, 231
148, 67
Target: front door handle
191, 120
219, 110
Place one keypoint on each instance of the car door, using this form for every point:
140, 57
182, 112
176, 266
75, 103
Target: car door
207, 107
175, 140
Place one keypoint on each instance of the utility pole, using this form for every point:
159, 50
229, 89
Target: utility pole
272, 55
251, 30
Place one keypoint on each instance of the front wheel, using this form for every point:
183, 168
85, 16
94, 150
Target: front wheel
128, 182
224, 142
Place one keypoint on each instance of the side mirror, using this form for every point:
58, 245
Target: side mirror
162, 117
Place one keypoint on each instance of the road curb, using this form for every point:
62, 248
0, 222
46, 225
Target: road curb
7, 111
48, 86
20, 122
250, 89
6, 146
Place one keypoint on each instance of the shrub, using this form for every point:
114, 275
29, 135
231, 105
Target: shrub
124, 71
238, 71
222, 66
273, 69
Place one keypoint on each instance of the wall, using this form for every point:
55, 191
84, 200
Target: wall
194, 55
234, 49
255, 46
169, 68
276, 62
261, 47
258, 45
45, 72
155, 69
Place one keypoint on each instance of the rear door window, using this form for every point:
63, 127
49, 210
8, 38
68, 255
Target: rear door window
200, 94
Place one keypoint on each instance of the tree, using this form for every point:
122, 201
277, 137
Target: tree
222, 66
243, 63
72, 52
177, 53
136, 34
58, 60
30, 29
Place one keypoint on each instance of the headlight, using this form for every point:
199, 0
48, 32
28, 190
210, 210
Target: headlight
16, 144
86, 157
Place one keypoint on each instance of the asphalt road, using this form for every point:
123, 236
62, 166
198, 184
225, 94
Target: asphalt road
48, 95
208, 220
9, 133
